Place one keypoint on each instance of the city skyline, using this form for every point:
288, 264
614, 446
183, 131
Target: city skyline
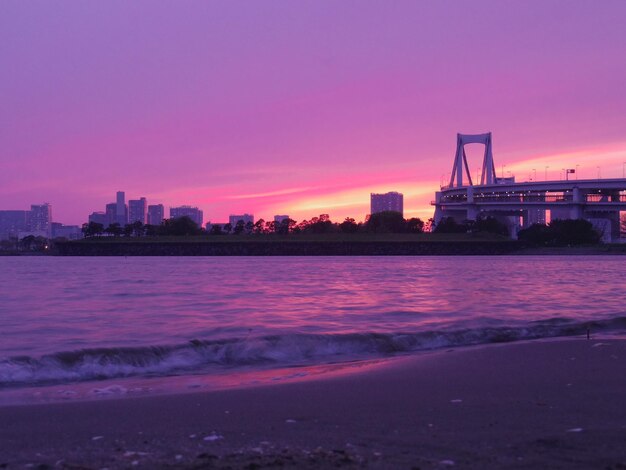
304, 109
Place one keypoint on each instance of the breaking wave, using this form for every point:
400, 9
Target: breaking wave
199, 356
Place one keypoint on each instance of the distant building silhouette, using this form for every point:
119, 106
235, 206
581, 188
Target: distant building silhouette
279, 218
71, 232
41, 218
193, 213
156, 214
137, 210
245, 218
111, 214
121, 211
12, 222
392, 201
99, 218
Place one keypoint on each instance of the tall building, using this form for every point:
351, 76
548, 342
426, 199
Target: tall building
111, 214
156, 214
233, 219
41, 218
193, 213
121, 211
137, 210
392, 201
12, 222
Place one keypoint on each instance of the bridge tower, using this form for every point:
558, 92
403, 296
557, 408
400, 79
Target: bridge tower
488, 175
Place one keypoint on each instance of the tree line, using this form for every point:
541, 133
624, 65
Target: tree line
381, 222
558, 232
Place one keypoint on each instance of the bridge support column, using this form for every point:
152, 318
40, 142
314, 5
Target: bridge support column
472, 210
576, 211
438, 212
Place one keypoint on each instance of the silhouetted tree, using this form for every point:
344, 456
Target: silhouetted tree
27, 242
180, 226
490, 225
33, 243
239, 227
138, 228
560, 233
128, 230
536, 234
321, 224
449, 225
385, 222
151, 230
573, 232
227, 228
92, 229
414, 225
216, 229
114, 229
349, 225
259, 226
285, 226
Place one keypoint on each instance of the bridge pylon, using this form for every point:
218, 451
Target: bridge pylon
460, 167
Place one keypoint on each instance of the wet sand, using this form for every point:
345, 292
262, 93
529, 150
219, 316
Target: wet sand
542, 404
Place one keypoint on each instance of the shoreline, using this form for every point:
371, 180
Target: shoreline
547, 403
346, 247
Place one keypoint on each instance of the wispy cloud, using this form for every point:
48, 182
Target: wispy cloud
280, 192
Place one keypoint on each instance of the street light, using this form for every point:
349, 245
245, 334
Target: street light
598, 172
577, 171
624, 170
546, 178
535, 174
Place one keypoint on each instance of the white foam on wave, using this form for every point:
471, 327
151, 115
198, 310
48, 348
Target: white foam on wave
275, 351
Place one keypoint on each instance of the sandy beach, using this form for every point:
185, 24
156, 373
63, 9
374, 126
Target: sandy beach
542, 404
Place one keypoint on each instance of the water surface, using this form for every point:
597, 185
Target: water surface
66, 320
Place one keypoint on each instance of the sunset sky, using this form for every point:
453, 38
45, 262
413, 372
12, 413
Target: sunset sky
299, 107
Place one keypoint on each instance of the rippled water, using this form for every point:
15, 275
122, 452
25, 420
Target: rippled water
75, 319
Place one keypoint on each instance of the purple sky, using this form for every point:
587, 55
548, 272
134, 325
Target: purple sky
299, 107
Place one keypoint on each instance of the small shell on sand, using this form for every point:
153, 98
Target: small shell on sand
456, 400
290, 421
213, 437
97, 438
575, 430
447, 462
